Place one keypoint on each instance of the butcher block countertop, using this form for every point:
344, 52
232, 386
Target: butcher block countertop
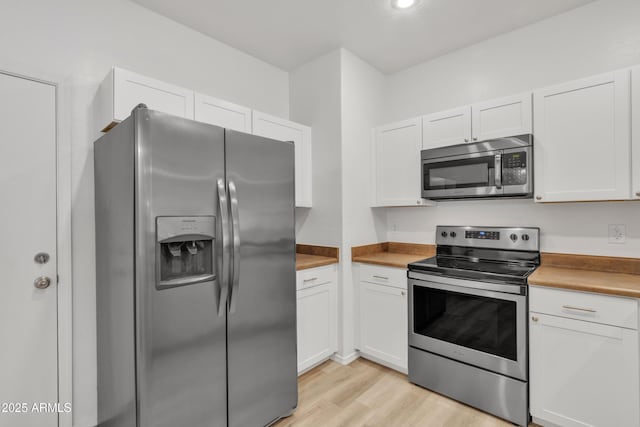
392, 254
311, 256
599, 274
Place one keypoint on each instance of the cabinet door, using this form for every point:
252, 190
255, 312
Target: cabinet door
447, 128
285, 130
122, 90
316, 314
501, 117
635, 132
384, 324
582, 140
396, 164
583, 373
222, 113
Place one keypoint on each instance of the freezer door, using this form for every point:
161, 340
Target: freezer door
180, 336
262, 315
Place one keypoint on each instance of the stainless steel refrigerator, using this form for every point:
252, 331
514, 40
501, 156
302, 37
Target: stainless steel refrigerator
195, 254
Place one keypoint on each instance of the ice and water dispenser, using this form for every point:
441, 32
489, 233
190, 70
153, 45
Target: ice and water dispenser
184, 250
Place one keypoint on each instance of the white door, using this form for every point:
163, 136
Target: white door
583, 373
384, 324
397, 164
444, 128
222, 113
286, 130
583, 140
28, 321
316, 329
635, 131
502, 117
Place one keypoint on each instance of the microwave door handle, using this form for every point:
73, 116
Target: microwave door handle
498, 170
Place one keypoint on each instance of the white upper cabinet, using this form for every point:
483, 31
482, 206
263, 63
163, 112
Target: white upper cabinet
396, 164
497, 118
635, 132
444, 128
122, 90
222, 113
501, 118
583, 140
285, 130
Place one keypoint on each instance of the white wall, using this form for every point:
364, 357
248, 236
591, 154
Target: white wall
77, 41
362, 100
315, 101
601, 36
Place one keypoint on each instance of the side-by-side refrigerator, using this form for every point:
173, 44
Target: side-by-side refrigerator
195, 254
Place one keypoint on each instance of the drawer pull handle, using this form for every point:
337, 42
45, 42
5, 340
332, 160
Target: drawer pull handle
534, 318
569, 307
381, 277
310, 280
403, 293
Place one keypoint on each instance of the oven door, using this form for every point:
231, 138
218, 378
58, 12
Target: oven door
466, 175
460, 320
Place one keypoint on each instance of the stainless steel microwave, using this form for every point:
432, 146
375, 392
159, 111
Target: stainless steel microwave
495, 168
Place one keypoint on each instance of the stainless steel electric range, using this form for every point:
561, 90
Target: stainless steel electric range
468, 335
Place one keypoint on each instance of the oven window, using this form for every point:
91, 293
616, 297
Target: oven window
480, 323
476, 172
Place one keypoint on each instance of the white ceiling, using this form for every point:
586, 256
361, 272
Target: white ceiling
288, 33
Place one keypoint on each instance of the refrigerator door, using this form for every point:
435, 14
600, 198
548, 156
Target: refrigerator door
180, 336
261, 335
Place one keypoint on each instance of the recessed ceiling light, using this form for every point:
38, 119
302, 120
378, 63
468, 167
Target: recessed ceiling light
403, 4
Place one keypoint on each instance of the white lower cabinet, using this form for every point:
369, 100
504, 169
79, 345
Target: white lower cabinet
382, 319
583, 373
316, 316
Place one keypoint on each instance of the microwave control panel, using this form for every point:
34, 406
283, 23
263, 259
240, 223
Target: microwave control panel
514, 168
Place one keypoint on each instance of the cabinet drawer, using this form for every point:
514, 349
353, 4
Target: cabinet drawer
396, 277
315, 276
603, 309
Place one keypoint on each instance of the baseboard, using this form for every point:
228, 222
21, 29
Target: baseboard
345, 360
379, 361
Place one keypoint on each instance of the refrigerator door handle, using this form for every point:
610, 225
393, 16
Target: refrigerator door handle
235, 269
223, 265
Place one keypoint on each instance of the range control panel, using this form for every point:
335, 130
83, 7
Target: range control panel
482, 234
515, 238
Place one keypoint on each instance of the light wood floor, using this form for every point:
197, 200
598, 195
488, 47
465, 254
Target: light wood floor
365, 394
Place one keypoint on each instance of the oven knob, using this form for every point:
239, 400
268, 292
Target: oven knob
513, 237
453, 234
443, 234
525, 237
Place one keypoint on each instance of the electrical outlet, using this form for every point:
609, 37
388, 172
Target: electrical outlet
394, 227
617, 233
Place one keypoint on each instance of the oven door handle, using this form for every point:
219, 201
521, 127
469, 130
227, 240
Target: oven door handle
493, 290
498, 170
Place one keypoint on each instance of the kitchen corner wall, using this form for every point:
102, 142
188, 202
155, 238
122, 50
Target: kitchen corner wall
341, 98
363, 89
598, 37
75, 42
314, 93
